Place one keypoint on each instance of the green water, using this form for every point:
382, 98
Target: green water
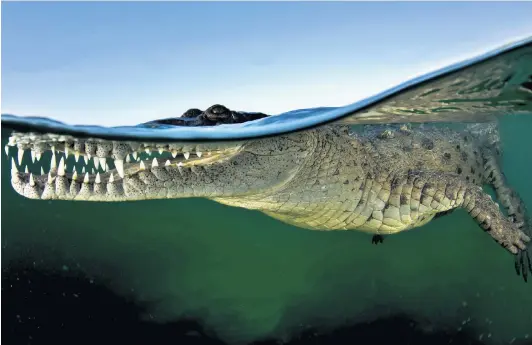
248, 275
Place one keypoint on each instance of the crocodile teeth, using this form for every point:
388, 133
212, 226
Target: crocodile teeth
66, 150
142, 166
61, 169
135, 155
119, 166
14, 169
86, 179
199, 153
53, 162
167, 164
32, 153
26, 170
96, 162
75, 175
83, 170
161, 150
154, 163
76, 156
147, 150
128, 159
20, 154
174, 153
50, 178
32, 181
42, 171
37, 157
6, 148
111, 178
86, 159
186, 154
97, 180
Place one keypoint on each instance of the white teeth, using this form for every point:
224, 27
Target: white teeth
86, 159
180, 164
66, 150
111, 178
75, 175
161, 150
88, 155
96, 162
199, 153
32, 181
32, 156
134, 155
76, 156
86, 178
26, 169
50, 178
53, 161
6, 148
83, 170
104, 165
61, 169
186, 154
154, 163
128, 159
174, 153
142, 166
14, 169
107, 167
97, 180
37, 157
167, 164
147, 150
180, 167
20, 156
119, 165
42, 171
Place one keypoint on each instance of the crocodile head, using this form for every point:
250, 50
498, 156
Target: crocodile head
65, 167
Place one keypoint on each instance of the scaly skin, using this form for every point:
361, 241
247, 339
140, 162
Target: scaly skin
380, 180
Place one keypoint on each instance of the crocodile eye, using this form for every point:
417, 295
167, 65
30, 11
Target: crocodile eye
192, 113
218, 109
217, 112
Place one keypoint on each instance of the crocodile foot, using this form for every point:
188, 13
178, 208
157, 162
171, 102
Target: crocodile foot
376, 239
508, 234
523, 262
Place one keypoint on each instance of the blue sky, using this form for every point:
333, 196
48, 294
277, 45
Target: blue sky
126, 62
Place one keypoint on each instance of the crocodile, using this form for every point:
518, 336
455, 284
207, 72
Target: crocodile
379, 179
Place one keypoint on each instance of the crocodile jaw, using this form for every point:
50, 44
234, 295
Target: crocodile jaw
68, 168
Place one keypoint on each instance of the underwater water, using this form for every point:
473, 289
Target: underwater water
247, 276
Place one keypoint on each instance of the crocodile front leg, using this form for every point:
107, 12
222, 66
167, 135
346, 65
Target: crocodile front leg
376, 239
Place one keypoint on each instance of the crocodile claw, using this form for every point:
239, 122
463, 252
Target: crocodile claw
523, 264
376, 239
